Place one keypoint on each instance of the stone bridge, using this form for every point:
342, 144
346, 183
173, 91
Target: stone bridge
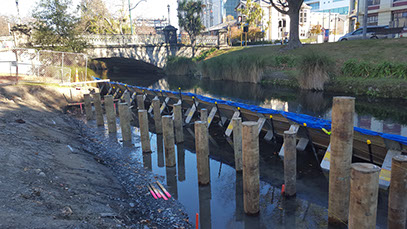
153, 49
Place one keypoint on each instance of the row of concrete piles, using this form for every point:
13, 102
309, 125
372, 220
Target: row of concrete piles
353, 188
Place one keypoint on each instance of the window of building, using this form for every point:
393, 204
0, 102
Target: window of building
315, 6
399, 15
372, 20
399, 0
341, 10
302, 34
373, 2
303, 16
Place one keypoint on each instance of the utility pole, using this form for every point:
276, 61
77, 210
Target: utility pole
365, 19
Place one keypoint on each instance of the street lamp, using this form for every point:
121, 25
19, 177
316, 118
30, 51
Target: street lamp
18, 12
169, 21
130, 9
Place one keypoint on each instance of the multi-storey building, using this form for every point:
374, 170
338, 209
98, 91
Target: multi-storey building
383, 12
326, 6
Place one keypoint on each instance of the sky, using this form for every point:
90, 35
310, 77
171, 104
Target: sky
146, 9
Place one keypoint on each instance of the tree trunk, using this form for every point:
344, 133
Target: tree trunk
193, 43
294, 41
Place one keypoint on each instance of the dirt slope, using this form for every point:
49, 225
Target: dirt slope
48, 179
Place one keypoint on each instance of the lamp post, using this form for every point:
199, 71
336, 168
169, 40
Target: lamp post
169, 20
18, 12
130, 9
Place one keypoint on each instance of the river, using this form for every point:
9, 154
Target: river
220, 205
381, 115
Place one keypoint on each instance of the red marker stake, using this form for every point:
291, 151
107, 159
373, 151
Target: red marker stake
155, 190
197, 221
165, 190
162, 195
282, 189
152, 193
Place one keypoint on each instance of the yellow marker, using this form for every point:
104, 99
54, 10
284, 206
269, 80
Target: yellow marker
143, 91
216, 102
113, 87
368, 142
326, 132
125, 85
271, 116
193, 97
161, 90
305, 124
238, 108
120, 91
179, 88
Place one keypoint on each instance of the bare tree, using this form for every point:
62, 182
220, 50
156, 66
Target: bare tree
292, 9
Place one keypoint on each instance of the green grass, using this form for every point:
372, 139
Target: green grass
384, 58
180, 66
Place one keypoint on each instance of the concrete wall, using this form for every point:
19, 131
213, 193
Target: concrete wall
156, 55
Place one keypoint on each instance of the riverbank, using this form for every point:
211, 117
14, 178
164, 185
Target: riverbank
357, 67
56, 172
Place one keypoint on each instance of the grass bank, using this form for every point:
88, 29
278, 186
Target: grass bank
369, 67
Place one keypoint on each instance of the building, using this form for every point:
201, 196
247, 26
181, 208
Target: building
333, 6
229, 9
277, 25
383, 12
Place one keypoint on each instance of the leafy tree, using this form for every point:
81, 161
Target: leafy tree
253, 13
316, 29
189, 19
292, 9
55, 27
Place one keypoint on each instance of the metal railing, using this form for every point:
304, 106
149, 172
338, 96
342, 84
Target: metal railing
402, 22
43, 66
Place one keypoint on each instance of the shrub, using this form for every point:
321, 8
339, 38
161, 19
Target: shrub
283, 62
204, 54
180, 66
315, 71
353, 68
240, 68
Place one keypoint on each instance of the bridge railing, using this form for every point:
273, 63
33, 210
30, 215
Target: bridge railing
113, 40
205, 40
154, 39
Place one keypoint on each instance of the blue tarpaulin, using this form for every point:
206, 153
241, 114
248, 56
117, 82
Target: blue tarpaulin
312, 122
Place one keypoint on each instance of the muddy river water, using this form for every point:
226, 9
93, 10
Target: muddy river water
220, 205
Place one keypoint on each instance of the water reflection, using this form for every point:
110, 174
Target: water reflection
289, 206
147, 163
239, 197
205, 196
171, 176
392, 112
160, 150
216, 203
181, 162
